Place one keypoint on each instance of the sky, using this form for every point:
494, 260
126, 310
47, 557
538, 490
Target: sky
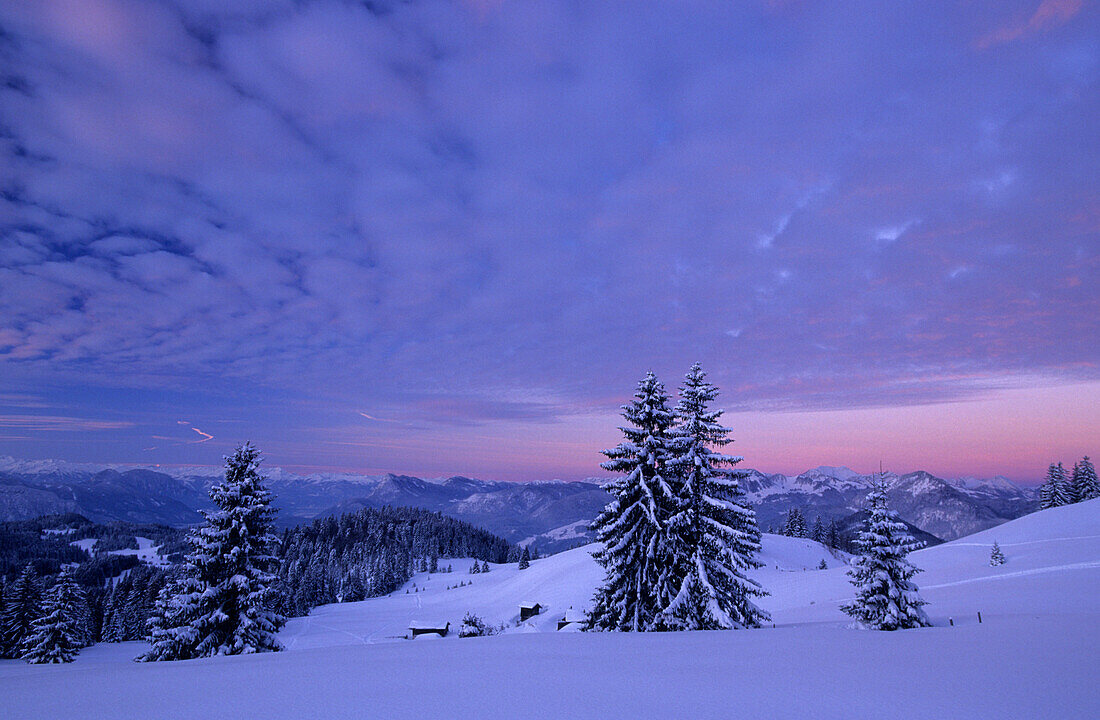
445, 237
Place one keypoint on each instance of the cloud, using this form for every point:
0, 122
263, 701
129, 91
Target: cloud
16, 400
1050, 14
205, 437
506, 212
54, 423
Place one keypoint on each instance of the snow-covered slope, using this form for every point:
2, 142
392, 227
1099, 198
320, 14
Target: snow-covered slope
1032, 656
1052, 554
1052, 567
560, 583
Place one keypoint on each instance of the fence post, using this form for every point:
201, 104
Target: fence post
952, 621
979, 617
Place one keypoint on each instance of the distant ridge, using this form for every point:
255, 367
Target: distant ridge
551, 514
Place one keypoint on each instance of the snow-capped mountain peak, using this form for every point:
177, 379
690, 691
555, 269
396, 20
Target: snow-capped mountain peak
840, 473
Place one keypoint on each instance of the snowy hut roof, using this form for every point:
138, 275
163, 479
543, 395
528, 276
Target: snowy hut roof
428, 625
530, 605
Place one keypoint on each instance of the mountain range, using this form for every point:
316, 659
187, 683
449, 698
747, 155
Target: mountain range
552, 514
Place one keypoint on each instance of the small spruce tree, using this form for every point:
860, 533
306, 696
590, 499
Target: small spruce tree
58, 635
22, 606
1055, 492
170, 632
525, 559
996, 557
474, 626
1085, 484
886, 596
817, 534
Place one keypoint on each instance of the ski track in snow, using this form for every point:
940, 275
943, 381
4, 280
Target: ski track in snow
957, 543
1018, 573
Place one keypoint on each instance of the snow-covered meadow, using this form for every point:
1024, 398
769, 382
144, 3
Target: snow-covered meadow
1032, 656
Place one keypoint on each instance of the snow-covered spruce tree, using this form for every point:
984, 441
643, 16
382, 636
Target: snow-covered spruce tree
886, 596
1089, 481
21, 607
817, 534
630, 527
996, 557
222, 604
1055, 492
790, 525
58, 634
170, 632
796, 524
1046, 491
525, 559
1085, 484
1060, 493
474, 626
713, 537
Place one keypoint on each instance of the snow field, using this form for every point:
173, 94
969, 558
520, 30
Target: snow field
1033, 656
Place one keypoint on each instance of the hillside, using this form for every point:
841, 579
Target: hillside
562, 584
1039, 628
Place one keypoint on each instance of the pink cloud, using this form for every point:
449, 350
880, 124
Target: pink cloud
1049, 14
51, 422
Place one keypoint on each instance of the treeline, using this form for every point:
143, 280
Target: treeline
46, 543
372, 552
26, 541
116, 598
353, 557
831, 535
45, 625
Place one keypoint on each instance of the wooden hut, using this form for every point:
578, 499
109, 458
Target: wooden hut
529, 610
571, 617
424, 628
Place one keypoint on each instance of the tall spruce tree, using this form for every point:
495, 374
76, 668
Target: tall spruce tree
525, 559
886, 596
21, 607
1085, 484
630, 527
222, 604
713, 536
58, 634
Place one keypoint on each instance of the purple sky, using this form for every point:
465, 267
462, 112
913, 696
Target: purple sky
449, 237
